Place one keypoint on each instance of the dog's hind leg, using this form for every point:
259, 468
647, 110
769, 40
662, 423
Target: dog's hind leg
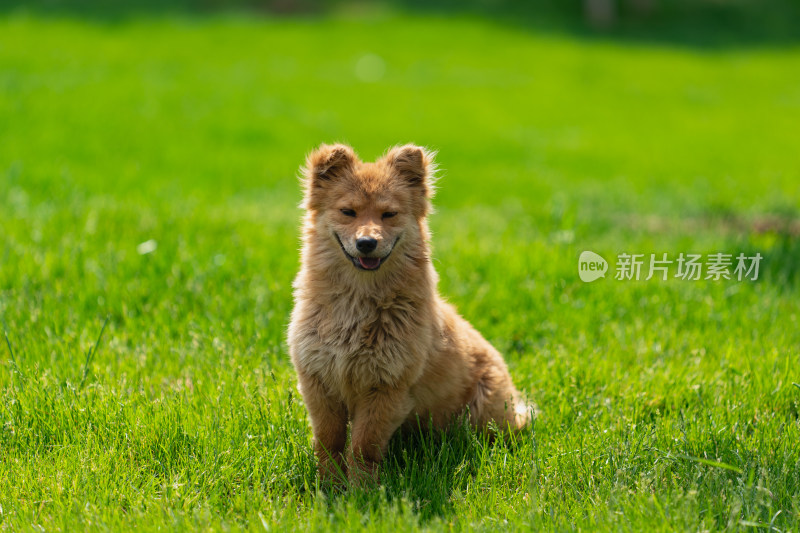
496, 400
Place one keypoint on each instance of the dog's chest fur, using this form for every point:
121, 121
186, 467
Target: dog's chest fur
359, 342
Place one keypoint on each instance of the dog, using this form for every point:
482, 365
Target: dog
373, 344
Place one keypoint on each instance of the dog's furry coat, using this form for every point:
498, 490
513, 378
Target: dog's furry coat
376, 346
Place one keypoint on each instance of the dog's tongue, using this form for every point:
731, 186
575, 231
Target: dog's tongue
369, 262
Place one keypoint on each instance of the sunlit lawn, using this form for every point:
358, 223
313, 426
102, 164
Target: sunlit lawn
664, 404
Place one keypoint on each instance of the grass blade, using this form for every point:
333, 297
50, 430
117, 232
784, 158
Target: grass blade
90, 354
14, 364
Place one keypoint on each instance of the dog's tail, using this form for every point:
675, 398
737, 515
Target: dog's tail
524, 412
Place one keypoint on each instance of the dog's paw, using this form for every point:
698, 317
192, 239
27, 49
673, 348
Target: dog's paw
364, 474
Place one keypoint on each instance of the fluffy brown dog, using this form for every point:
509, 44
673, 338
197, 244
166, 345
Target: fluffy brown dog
372, 341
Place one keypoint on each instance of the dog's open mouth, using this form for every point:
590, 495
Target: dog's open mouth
366, 263
369, 263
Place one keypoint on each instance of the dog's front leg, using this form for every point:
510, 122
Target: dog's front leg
378, 414
329, 425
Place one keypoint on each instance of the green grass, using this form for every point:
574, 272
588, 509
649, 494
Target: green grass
664, 405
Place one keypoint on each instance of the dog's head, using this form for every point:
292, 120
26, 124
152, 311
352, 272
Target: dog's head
369, 209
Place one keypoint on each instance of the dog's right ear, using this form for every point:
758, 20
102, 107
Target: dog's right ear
326, 164
329, 162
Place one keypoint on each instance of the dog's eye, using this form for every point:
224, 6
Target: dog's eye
388, 215
348, 212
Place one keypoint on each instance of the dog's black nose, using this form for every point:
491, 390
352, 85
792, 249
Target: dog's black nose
366, 244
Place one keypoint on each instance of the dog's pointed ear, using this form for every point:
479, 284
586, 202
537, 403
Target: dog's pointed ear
414, 165
326, 164
329, 162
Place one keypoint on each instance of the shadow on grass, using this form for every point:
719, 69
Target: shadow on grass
426, 466
689, 23
429, 468
775, 237
780, 259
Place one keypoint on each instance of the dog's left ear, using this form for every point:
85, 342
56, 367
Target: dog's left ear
415, 165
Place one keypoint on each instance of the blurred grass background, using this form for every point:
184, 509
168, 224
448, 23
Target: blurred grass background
182, 125
694, 22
